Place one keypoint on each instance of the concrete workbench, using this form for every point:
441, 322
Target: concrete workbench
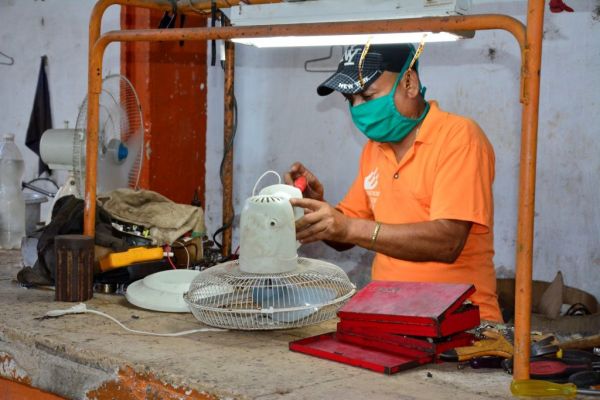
87, 356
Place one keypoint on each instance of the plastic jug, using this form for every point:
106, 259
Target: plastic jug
12, 202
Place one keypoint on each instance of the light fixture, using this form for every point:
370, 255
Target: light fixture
320, 11
342, 40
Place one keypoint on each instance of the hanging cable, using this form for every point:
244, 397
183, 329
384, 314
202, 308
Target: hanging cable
44, 179
213, 43
228, 148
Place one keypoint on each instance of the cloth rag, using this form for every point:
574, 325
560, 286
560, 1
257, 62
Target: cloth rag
166, 220
41, 115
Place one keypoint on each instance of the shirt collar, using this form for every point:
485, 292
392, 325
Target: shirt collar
425, 133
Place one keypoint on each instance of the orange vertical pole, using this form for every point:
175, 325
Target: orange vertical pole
530, 76
91, 149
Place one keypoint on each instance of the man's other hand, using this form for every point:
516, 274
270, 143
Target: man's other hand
314, 188
320, 222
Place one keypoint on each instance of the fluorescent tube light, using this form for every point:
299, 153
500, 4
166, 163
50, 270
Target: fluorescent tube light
343, 40
323, 11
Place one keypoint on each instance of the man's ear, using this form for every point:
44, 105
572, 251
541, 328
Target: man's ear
411, 83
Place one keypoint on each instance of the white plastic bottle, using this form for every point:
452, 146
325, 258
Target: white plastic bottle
12, 202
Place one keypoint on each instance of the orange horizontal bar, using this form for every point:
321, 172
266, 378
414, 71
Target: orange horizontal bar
429, 24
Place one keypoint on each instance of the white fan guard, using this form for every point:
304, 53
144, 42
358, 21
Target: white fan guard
226, 297
120, 124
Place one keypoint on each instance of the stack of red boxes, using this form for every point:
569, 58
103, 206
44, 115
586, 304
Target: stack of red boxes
392, 326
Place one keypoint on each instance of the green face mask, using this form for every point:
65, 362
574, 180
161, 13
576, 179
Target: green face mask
380, 121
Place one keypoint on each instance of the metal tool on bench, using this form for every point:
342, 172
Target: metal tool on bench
539, 388
130, 256
558, 370
584, 382
497, 344
586, 379
560, 367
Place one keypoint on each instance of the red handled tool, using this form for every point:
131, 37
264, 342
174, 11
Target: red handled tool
301, 183
555, 369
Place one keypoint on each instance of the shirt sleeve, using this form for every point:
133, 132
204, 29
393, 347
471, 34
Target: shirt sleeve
462, 187
356, 203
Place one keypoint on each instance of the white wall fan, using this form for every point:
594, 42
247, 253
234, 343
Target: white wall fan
120, 141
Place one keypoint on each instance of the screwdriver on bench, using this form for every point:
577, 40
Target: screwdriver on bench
538, 388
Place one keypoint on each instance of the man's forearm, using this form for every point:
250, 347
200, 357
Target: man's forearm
440, 240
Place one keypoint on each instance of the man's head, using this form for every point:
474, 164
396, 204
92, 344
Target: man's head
386, 98
354, 76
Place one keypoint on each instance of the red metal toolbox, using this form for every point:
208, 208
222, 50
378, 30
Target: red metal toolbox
392, 326
329, 347
412, 308
403, 344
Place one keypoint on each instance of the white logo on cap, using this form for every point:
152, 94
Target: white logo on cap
348, 86
349, 54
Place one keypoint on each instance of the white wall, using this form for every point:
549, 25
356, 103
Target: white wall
281, 119
58, 29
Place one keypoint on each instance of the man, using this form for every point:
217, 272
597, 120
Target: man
423, 195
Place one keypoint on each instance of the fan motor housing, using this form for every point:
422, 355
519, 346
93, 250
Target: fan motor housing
268, 235
57, 147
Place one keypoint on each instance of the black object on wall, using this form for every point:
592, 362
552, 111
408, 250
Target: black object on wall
41, 116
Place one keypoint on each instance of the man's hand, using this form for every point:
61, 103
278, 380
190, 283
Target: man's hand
320, 222
314, 188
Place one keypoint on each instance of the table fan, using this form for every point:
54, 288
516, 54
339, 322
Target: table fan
269, 287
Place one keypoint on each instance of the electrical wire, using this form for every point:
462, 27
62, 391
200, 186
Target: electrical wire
167, 250
262, 176
196, 251
171, 262
45, 179
82, 309
228, 148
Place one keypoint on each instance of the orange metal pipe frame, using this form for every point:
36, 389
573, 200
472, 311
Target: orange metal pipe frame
530, 42
183, 6
530, 76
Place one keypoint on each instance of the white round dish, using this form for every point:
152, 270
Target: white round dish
162, 291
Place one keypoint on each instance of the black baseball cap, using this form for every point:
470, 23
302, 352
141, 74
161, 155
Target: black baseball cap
379, 58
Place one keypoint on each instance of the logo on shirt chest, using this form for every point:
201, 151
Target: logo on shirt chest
370, 185
372, 180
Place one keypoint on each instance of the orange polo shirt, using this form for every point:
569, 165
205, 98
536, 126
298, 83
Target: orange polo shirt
446, 174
